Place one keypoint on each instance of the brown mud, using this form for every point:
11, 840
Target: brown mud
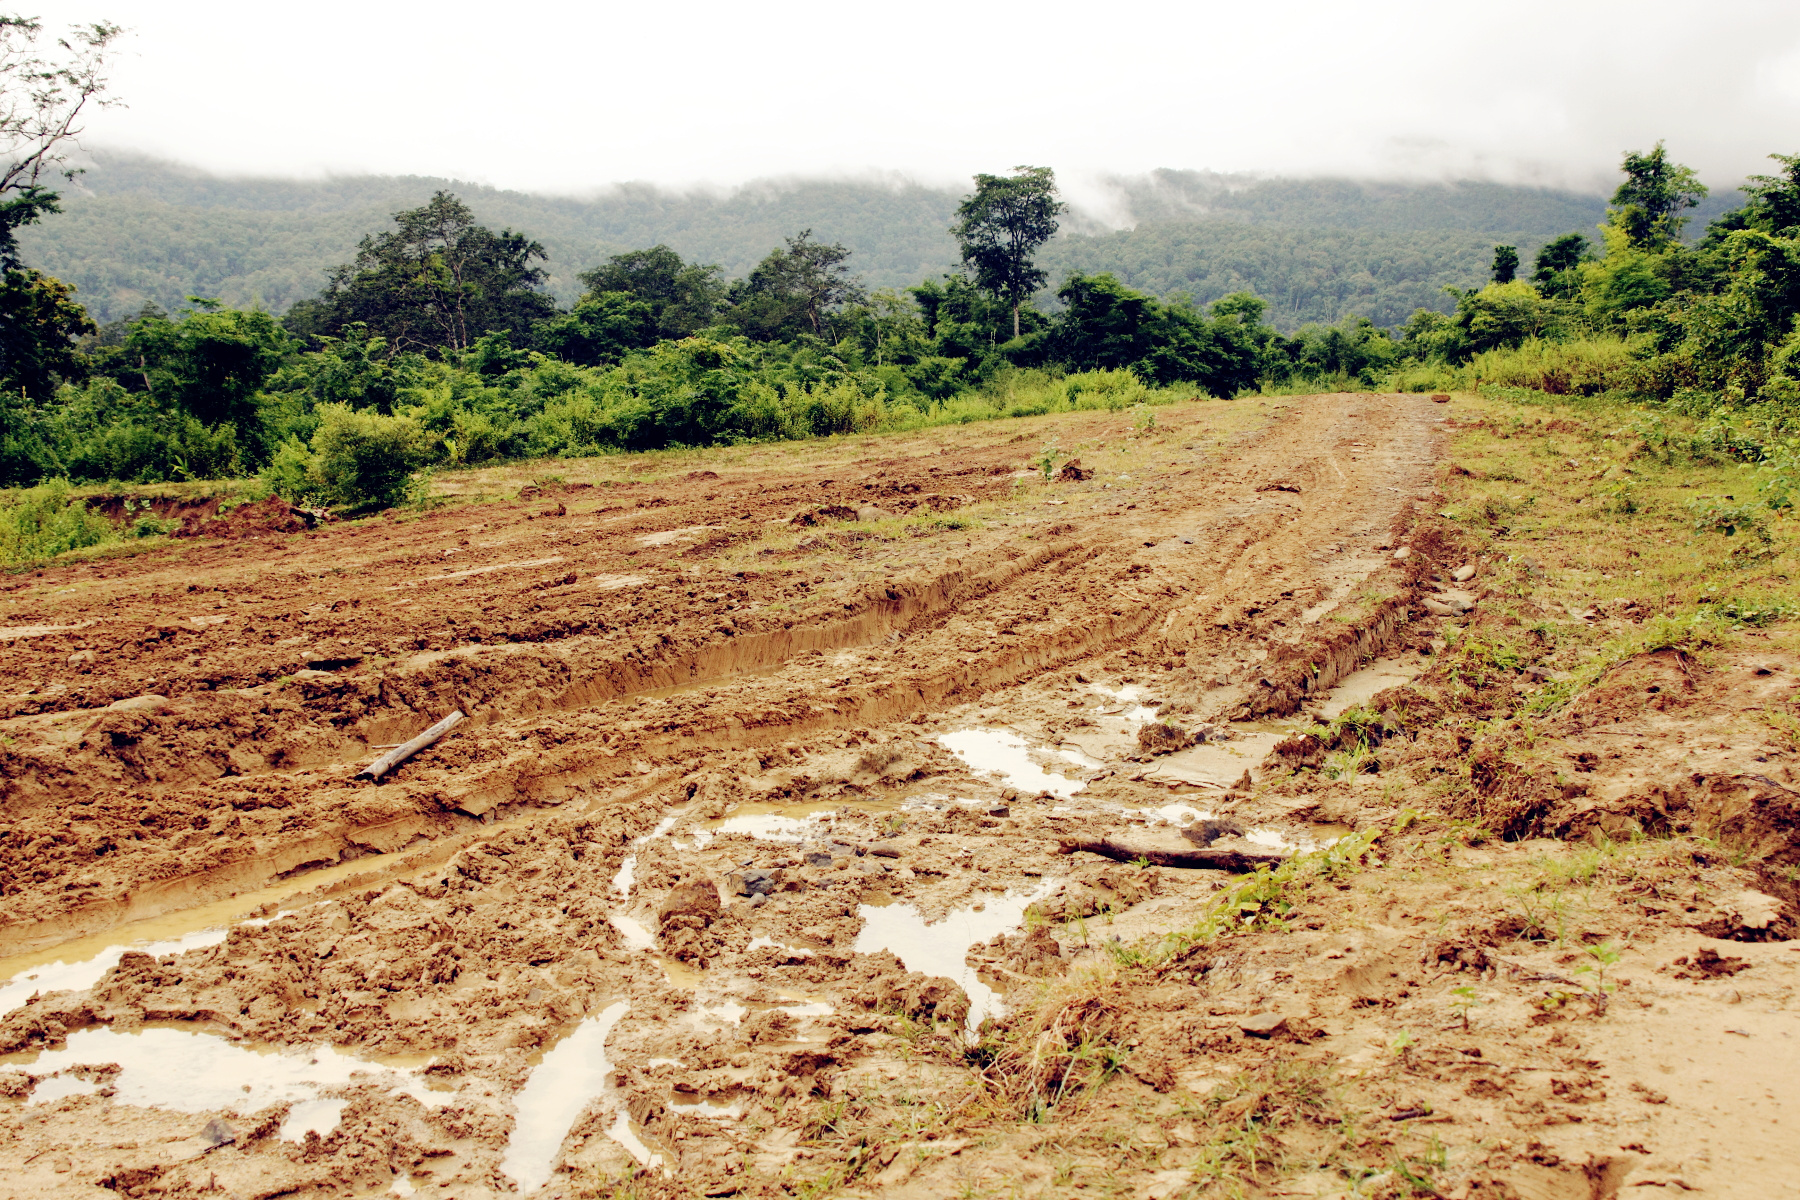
745, 876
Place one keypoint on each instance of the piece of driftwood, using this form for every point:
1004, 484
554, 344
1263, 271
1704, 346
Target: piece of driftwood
406, 750
1237, 861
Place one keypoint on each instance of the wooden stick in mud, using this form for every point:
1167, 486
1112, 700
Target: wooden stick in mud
406, 750
1197, 859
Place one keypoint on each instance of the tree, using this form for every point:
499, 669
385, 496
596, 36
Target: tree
1774, 205
1506, 263
600, 330
1558, 257
42, 103
796, 289
1000, 228
437, 283
682, 296
1649, 204
211, 364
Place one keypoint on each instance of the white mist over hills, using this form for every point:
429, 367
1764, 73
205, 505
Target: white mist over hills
560, 98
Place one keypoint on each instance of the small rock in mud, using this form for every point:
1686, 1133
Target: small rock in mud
1263, 1025
1207, 830
1158, 738
751, 883
218, 1133
697, 897
1707, 963
873, 512
1463, 573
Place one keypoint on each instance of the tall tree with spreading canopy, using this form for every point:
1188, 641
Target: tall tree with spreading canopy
44, 98
1002, 225
1649, 205
438, 283
683, 295
1506, 263
796, 289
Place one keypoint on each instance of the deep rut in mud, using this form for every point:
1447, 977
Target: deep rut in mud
707, 757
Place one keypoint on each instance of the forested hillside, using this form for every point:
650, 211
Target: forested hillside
136, 230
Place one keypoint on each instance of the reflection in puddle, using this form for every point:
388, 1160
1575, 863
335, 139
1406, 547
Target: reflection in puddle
942, 948
570, 1077
628, 869
1004, 753
626, 1135
760, 942
199, 1072
49, 1091
85, 973
1359, 687
633, 931
706, 1108
1130, 696
312, 1116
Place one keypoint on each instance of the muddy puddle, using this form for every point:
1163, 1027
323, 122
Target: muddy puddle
571, 1076
191, 1071
1003, 755
82, 962
1359, 687
942, 947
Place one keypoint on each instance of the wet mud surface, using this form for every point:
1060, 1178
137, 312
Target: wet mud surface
754, 840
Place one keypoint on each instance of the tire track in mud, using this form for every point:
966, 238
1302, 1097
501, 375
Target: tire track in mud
491, 924
1213, 565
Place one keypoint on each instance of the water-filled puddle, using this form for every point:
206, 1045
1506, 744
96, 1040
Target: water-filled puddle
627, 876
1359, 687
1002, 753
569, 1078
81, 962
200, 1072
83, 973
1214, 764
942, 948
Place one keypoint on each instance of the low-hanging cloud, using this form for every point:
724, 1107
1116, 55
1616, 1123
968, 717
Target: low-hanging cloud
559, 97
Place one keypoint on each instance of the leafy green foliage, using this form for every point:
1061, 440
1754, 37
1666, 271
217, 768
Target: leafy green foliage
437, 282
45, 521
1000, 228
364, 459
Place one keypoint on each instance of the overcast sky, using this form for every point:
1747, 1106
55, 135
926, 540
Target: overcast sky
570, 97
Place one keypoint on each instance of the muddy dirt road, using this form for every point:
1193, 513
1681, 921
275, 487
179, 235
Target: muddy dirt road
758, 816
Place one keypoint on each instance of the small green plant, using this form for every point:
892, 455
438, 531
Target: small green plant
1598, 987
1402, 1044
150, 525
1048, 458
1465, 1001
1715, 515
1143, 422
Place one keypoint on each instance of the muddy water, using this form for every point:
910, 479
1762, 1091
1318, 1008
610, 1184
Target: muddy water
199, 1072
570, 1077
1359, 687
1002, 754
941, 948
82, 962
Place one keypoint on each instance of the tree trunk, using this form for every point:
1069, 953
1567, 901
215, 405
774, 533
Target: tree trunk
1015, 318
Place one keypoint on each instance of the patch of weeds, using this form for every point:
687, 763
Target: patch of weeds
1702, 628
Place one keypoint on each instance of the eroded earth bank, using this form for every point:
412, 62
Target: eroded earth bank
875, 816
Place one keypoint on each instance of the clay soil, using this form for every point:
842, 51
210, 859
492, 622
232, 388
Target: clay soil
750, 871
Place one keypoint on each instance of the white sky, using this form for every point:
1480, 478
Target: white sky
569, 97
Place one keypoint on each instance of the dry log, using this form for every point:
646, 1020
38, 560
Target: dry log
406, 750
1237, 861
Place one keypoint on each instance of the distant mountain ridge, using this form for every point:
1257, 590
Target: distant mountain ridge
137, 230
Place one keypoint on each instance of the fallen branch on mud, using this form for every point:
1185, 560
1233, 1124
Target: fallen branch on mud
406, 750
1204, 859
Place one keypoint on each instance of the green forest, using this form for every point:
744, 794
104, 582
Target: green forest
134, 231
441, 338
